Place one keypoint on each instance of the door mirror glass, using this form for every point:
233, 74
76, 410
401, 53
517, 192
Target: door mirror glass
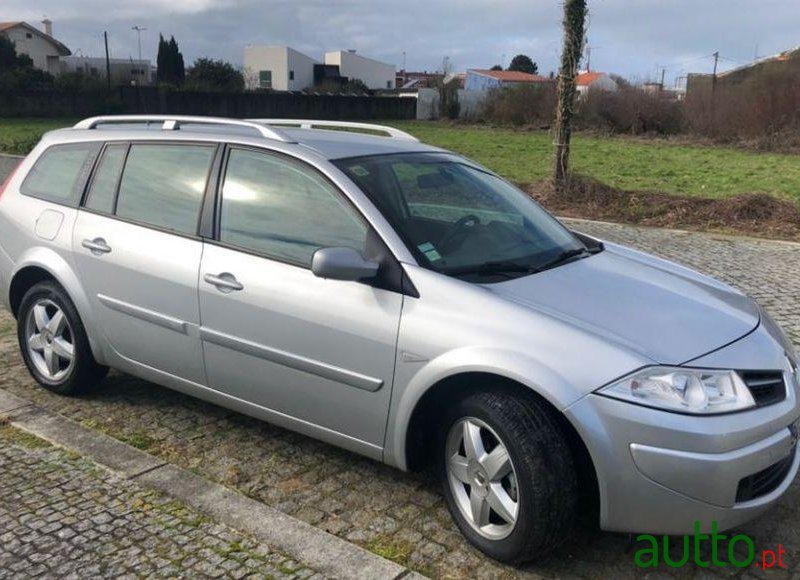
342, 264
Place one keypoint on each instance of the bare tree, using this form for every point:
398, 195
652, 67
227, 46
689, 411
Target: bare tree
575, 12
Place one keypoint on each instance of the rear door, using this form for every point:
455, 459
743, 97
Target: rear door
137, 250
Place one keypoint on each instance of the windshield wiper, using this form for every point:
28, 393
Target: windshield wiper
490, 269
562, 258
508, 268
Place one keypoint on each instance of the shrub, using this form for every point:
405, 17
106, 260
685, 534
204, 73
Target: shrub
522, 105
630, 111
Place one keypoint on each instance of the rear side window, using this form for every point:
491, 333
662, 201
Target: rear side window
106, 176
163, 185
60, 172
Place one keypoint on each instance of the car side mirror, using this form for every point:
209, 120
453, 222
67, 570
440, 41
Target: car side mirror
342, 264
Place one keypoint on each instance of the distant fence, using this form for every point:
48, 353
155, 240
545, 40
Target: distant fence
155, 100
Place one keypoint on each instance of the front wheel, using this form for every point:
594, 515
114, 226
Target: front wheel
53, 341
508, 475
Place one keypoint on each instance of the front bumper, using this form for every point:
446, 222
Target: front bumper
661, 472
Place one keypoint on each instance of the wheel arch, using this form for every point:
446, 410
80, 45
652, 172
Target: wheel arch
418, 425
42, 264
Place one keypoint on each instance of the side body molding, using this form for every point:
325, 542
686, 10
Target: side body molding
145, 314
296, 362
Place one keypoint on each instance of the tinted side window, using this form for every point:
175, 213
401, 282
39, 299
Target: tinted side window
104, 183
59, 173
163, 185
284, 209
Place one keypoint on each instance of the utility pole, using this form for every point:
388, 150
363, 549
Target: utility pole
588, 59
108, 61
663, 77
139, 31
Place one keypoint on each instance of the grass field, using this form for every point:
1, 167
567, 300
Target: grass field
525, 157
629, 164
20, 135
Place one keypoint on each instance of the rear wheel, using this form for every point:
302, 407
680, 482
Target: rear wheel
53, 341
508, 475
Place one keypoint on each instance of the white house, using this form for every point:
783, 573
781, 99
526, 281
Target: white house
373, 73
595, 81
44, 50
277, 67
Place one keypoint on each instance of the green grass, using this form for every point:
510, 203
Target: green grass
624, 163
20, 135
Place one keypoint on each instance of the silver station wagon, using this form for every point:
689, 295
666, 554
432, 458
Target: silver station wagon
407, 304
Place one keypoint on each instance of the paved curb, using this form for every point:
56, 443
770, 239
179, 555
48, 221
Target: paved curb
324, 552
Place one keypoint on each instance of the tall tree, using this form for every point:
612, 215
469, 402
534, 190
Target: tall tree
575, 12
171, 69
523, 63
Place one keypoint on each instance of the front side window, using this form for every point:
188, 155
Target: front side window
265, 79
459, 219
284, 210
163, 185
60, 172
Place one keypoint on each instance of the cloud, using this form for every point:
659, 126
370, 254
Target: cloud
631, 37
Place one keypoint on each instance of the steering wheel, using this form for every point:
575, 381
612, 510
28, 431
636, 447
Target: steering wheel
458, 230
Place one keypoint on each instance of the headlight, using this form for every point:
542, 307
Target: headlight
685, 390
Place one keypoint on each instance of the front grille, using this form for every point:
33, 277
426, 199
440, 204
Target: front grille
765, 481
767, 387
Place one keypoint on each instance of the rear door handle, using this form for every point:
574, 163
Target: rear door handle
96, 246
224, 282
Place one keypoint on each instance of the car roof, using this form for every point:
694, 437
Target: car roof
350, 140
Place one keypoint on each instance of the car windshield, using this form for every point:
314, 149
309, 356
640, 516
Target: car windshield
461, 220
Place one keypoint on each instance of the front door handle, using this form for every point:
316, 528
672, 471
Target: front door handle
224, 282
96, 246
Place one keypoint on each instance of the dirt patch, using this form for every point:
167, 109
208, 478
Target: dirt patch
754, 214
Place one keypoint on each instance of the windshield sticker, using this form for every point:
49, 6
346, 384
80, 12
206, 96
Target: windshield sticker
430, 252
359, 171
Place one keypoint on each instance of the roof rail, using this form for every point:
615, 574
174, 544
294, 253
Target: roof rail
173, 123
310, 124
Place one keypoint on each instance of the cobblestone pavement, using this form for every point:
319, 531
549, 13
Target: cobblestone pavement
62, 517
398, 515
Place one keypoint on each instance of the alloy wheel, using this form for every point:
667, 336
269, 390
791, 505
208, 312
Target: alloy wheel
482, 478
49, 339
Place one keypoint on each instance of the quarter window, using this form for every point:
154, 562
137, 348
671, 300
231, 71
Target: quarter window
104, 183
60, 172
283, 209
163, 185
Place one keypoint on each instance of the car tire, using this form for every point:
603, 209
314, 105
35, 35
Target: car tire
541, 484
53, 341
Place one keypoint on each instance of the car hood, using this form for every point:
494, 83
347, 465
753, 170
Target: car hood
665, 312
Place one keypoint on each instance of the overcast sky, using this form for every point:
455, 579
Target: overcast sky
630, 37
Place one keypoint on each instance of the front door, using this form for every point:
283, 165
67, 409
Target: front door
318, 354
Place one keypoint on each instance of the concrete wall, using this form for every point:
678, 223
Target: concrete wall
43, 53
470, 103
283, 62
375, 74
